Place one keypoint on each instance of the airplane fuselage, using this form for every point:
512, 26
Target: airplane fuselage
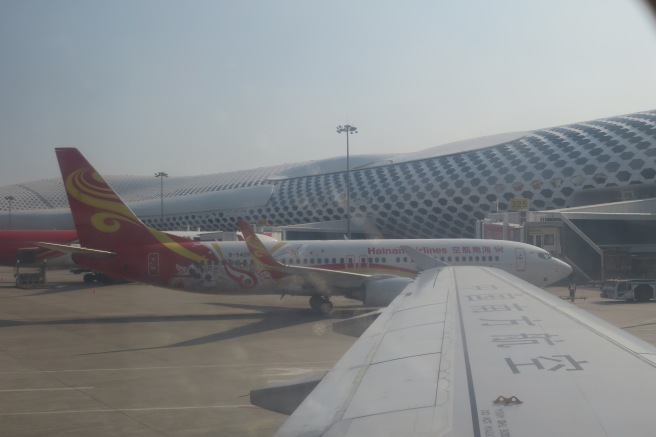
227, 267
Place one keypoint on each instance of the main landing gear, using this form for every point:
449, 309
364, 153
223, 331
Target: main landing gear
90, 278
321, 304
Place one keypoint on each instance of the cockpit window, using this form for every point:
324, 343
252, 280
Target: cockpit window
544, 255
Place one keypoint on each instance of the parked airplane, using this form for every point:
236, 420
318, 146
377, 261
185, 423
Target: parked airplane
114, 241
20, 243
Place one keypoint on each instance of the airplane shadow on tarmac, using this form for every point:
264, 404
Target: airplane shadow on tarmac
267, 318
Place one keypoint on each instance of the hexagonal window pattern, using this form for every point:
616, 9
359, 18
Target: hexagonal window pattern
623, 176
548, 165
637, 164
648, 173
612, 167
589, 169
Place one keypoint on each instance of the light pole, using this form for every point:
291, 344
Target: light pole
161, 175
349, 130
10, 199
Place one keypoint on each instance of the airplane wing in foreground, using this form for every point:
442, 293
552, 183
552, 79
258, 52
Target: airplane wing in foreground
475, 351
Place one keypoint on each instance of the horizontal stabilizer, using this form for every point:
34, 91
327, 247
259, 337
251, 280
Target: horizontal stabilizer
423, 261
77, 250
284, 397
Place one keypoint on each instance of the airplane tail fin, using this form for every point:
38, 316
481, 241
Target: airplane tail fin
103, 221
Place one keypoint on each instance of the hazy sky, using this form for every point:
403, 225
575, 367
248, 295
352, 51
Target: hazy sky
194, 87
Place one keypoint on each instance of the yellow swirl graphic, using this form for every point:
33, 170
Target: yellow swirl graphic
174, 246
95, 193
255, 246
92, 190
218, 250
106, 221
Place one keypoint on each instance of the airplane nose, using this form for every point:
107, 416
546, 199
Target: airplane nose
557, 270
564, 269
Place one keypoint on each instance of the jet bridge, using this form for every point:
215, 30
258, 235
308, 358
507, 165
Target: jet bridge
615, 240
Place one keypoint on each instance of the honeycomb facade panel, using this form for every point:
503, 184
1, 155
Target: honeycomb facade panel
434, 193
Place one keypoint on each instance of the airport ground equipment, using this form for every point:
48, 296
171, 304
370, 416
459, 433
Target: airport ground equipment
640, 290
27, 271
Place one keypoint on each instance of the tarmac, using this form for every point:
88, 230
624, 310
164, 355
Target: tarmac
136, 360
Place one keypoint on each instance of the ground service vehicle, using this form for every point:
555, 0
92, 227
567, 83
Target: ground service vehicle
640, 290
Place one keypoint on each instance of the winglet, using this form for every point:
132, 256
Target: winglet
258, 252
423, 261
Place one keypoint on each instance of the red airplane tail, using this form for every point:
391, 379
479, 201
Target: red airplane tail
102, 220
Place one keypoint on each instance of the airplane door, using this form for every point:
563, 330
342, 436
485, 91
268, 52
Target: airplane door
153, 264
521, 259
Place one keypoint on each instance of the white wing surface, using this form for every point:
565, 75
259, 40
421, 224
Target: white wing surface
475, 351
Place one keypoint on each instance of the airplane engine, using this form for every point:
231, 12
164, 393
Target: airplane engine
380, 292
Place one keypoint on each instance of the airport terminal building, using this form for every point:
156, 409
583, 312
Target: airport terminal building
444, 191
